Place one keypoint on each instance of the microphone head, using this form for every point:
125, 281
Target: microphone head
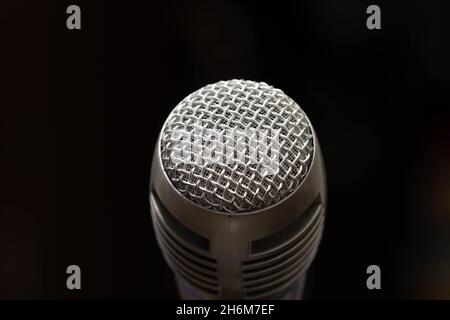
238, 110
237, 192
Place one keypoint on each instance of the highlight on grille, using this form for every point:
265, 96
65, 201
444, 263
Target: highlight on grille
236, 146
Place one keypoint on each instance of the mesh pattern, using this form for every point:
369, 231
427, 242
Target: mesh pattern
239, 186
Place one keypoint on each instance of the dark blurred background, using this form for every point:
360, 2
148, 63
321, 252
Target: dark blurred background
80, 112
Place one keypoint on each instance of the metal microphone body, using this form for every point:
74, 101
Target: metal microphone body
238, 216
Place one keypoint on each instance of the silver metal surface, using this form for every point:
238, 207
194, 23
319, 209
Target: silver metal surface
238, 186
222, 249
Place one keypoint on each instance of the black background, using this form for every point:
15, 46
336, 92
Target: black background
81, 111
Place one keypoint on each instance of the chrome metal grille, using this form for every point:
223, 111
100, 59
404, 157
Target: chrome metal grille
241, 185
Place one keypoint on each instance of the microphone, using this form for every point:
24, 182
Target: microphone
238, 193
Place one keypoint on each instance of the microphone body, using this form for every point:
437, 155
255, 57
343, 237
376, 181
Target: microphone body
238, 229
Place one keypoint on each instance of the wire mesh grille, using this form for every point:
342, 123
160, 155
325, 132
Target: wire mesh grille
240, 185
